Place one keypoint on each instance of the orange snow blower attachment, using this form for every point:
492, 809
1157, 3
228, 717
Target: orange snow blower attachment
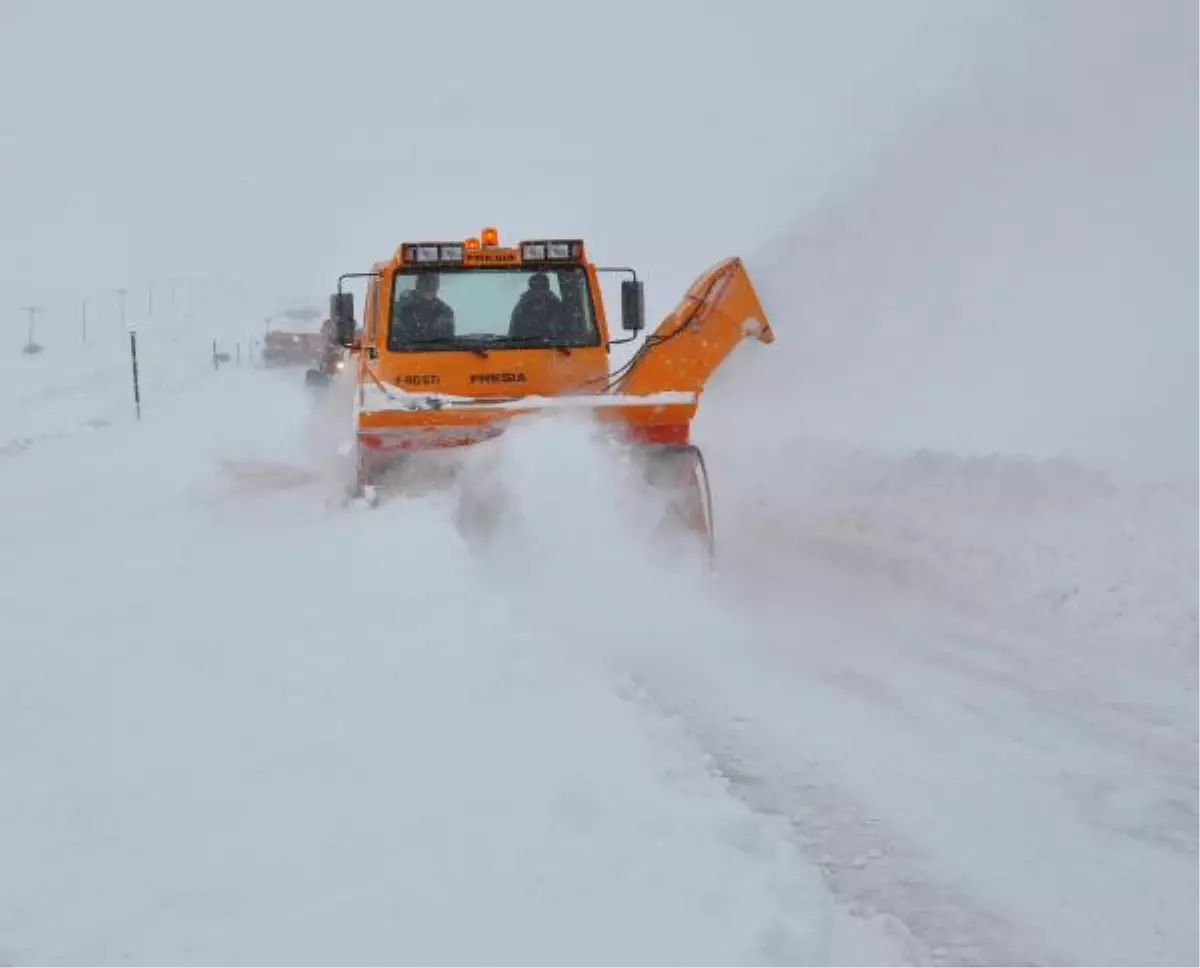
460, 338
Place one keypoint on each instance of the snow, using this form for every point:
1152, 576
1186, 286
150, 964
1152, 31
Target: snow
224, 748
938, 703
1049, 546
1017, 273
88, 382
212, 754
1012, 791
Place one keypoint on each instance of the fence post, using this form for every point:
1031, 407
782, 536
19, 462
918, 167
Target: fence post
137, 393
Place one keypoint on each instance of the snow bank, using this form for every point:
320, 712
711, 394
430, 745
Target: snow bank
1049, 545
1054, 546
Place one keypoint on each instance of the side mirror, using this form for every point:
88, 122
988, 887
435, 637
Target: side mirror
633, 306
341, 311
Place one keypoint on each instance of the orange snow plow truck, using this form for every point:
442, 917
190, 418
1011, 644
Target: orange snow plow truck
460, 337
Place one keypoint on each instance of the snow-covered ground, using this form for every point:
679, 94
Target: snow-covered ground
938, 705
888, 662
243, 724
83, 377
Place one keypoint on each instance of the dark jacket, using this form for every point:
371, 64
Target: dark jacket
538, 314
422, 319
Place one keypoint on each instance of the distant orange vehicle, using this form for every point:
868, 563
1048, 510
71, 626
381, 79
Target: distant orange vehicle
460, 337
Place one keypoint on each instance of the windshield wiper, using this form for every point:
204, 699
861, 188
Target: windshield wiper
453, 343
438, 341
548, 341
479, 343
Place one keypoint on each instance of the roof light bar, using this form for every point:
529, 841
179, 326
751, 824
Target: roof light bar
427, 252
539, 250
552, 250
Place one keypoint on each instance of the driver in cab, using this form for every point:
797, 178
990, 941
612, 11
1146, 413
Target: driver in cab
423, 316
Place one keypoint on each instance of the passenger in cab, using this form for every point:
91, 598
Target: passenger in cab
538, 314
422, 316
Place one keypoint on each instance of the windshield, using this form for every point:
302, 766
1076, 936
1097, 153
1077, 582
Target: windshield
457, 308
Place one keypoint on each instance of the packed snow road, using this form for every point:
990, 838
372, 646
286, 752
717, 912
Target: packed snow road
243, 723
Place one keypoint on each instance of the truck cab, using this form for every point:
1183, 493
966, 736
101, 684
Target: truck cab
482, 320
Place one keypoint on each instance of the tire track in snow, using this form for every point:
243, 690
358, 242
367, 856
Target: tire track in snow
862, 861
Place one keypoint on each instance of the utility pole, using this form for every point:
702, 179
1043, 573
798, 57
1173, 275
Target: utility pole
150, 300
83, 321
